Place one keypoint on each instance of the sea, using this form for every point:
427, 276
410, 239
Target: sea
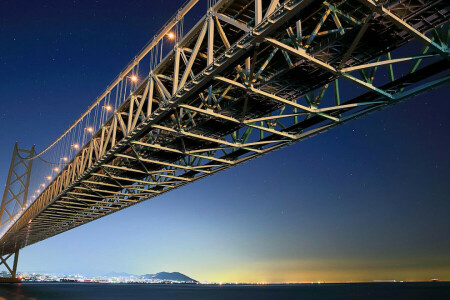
342, 291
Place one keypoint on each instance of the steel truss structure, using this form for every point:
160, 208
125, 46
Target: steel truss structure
14, 199
249, 78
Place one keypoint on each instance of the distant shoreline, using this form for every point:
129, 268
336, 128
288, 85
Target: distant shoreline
239, 284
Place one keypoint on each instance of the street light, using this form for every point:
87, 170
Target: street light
171, 35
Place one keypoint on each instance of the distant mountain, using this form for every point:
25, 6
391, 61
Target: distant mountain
120, 274
163, 276
174, 276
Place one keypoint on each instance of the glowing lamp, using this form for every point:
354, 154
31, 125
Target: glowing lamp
76, 146
108, 107
134, 78
171, 35
90, 129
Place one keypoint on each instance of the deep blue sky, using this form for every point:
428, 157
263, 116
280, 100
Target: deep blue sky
367, 200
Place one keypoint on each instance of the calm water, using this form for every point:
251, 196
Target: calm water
358, 291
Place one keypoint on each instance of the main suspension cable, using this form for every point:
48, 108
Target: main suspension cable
153, 42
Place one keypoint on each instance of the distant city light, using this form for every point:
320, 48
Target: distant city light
171, 35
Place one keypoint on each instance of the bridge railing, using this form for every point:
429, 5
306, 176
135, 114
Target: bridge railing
53, 159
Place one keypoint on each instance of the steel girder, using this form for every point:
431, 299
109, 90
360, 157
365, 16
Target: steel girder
249, 78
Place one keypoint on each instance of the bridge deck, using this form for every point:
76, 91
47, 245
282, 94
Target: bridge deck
246, 80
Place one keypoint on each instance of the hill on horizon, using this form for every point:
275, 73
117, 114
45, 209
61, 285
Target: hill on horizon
170, 276
173, 276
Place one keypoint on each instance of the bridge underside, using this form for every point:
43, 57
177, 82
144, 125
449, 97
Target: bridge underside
251, 77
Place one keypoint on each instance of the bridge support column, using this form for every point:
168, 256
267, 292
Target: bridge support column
13, 271
14, 202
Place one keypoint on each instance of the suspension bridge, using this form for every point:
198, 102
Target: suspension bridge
251, 77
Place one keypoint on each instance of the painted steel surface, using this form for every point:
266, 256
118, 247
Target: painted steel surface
249, 78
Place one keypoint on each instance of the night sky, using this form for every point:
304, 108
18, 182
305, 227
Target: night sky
367, 200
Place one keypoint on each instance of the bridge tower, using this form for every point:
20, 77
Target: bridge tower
14, 201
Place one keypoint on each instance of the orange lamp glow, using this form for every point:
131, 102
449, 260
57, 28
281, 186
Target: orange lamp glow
171, 35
